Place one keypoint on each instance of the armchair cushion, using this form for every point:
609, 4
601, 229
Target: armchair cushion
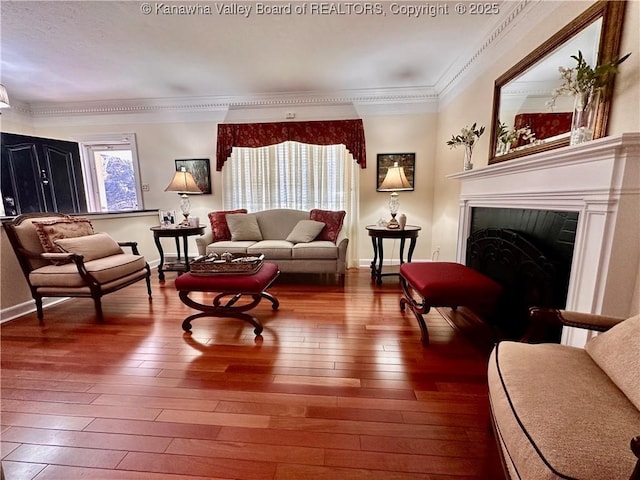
91, 247
243, 227
64, 227
305, 231
104, 270
332, 220
617, 353
219, 227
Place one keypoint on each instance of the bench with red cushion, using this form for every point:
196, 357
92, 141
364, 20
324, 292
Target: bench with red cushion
445, 284
229, 285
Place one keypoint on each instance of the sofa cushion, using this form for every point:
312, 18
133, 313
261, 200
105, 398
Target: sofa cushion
229, 246
104, 270
305, 231
558, 415
91, 247
219, 227
277, 223
617, 352
319, 249
243, 227
272, 249
332, 220
64, 227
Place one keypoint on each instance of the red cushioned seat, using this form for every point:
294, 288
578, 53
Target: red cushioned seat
450, 284
236, 283
445, 284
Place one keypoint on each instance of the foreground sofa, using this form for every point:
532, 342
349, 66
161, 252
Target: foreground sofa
297, 241
566, 412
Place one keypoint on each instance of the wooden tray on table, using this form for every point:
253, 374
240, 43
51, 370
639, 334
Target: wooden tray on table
230, 263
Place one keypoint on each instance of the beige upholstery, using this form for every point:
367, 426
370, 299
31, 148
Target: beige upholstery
558, 414
316, 256
86, 266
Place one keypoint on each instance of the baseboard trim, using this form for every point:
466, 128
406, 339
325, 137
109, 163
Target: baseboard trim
25, 308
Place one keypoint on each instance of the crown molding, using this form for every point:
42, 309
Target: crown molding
388, 96
451, 82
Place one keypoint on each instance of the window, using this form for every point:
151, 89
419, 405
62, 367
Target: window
112, 177
287, 175
294, 175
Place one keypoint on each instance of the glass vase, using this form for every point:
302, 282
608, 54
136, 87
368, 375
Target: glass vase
584, 116
467, 158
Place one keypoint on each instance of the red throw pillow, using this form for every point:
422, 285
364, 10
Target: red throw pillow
219, 225
332, 220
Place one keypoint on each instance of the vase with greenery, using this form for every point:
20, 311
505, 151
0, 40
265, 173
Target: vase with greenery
512, 138
585, 83
467, 138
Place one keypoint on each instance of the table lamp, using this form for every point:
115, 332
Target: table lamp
394, 180
184, 184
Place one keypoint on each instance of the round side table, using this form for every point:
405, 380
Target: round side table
181, 265
378, 234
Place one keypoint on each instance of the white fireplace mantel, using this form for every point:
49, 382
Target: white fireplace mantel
601, 181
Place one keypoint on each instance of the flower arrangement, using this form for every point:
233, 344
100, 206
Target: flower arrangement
468, 137
584, 79
509, 138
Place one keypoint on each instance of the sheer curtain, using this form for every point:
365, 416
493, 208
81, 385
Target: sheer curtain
295, 175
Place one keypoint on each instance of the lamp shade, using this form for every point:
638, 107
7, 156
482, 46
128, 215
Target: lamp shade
4, 97
183, 182
395, 179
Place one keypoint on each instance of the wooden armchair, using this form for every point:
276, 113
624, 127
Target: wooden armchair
61, 256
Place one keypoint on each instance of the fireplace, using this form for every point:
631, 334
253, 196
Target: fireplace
599, 183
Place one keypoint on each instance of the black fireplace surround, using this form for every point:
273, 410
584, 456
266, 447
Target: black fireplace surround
529, 252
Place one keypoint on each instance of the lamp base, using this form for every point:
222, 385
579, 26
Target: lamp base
393, 223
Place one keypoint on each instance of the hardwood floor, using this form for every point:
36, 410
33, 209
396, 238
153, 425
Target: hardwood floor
339, 388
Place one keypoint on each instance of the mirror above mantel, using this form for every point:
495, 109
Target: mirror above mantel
522, 94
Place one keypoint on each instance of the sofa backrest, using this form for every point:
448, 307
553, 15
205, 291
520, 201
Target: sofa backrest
277, 223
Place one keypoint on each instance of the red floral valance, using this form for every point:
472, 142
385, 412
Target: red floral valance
335, 132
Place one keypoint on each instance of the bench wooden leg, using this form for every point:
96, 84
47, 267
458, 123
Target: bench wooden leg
229, 309
418, 308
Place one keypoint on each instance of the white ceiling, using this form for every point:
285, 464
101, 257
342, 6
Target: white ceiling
79, 51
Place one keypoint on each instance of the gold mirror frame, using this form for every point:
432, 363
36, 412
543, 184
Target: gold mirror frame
612, 14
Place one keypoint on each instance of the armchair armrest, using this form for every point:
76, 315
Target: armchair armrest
544, 320
132, 245
635, 448
58, 257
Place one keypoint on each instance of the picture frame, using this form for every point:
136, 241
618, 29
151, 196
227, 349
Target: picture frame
386, 160
200, 168
167, 218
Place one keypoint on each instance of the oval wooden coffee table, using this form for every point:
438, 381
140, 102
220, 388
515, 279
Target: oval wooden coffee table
231, 285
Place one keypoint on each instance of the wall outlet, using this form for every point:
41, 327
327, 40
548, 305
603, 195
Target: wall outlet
145, 187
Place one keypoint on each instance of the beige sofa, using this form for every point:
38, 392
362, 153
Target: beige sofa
566, 412
274, 239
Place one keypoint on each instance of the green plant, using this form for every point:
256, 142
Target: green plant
468, 137
584, 78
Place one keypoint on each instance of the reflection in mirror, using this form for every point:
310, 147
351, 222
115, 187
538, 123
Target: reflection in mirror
527, 116
524, 121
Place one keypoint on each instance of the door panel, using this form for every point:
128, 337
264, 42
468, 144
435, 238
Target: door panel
62, 188
22, 188
41, 175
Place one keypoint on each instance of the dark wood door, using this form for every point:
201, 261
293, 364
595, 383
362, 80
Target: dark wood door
41, 175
